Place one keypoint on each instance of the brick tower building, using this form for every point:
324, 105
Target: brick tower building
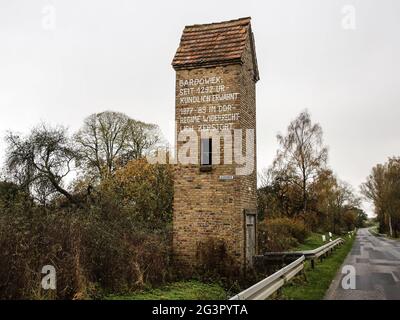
216, 75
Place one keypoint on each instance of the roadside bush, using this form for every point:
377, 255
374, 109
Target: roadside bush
141, 190
214, 263
94, 252
280, 234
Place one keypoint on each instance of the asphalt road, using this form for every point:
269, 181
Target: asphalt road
377, 265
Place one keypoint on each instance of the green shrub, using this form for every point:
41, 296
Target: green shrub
280, 234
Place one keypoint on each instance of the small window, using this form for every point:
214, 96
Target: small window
206, 152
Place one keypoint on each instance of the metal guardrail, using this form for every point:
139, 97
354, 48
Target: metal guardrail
263, 289
309, 254
266, 287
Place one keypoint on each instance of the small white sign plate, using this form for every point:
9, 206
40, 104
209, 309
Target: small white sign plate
225, 177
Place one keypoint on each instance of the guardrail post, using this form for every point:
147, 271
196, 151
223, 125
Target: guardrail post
303, 272
312, 264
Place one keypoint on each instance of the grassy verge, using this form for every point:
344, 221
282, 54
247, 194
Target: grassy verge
374, 230
184, 290
312, 242
319, 279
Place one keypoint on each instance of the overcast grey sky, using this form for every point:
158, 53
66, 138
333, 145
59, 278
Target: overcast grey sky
116, 55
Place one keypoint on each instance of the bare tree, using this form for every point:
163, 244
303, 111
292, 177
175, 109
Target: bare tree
100, 141
142, 137
111, 138
41, 161
302, 154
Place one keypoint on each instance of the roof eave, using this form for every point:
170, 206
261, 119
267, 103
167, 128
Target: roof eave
208, 64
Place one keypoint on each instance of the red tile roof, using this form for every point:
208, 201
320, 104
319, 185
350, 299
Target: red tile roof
214, 44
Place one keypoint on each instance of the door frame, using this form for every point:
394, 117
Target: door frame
249, 212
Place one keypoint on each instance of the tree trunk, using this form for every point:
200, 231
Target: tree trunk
390, 226
304, 192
